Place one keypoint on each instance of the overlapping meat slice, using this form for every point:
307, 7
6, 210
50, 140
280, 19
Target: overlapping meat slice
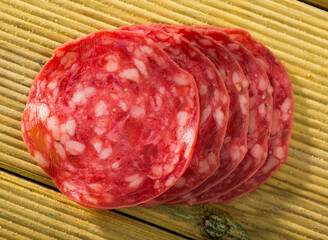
260, 119
283, 108
235, 144
214, 106
112, 119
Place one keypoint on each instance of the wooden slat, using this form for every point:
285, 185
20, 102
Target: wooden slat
291, 205
37, 212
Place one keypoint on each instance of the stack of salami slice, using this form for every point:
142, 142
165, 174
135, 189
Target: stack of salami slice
151, 114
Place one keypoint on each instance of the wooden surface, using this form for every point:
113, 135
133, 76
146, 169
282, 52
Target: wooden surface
291, 205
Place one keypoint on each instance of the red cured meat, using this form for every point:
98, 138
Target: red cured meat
235, 145
283, 108
112, 119
214, 106
260, 119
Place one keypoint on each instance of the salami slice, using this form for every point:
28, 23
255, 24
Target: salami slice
235, 145
260, 119
283, 108
112, 119
214, 106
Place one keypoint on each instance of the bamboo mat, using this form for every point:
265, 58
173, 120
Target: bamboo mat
293, 204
